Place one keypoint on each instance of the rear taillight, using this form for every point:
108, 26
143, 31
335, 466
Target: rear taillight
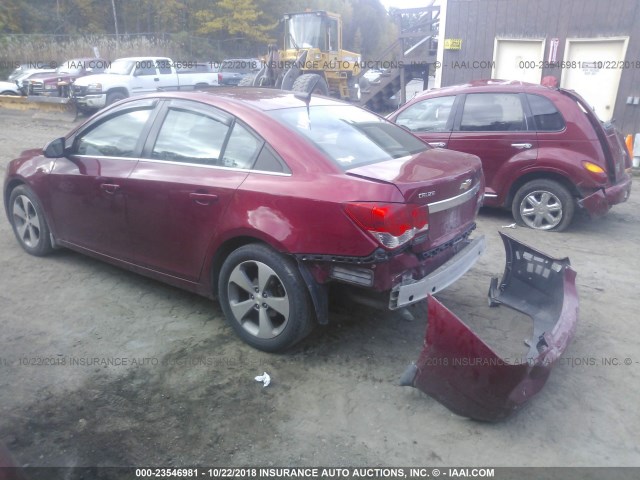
219, 78
596, 171
392, 224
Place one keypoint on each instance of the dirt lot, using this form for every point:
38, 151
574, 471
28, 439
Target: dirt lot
185, 393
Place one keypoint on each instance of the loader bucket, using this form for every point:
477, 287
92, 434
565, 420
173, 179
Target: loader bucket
54, 108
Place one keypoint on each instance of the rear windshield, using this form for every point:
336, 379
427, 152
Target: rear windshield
349, 135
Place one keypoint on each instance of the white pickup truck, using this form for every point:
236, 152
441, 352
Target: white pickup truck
131, 76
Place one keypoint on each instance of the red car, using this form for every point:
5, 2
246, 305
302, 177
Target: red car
260, 198
57, 84
544, 152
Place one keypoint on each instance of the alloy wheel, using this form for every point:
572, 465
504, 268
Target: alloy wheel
258, 299
26, 221
541, 210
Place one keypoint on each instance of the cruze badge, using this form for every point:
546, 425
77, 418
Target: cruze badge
426, 194
466, 184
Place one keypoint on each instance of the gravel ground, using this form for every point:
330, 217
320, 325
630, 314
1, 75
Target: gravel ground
184, 392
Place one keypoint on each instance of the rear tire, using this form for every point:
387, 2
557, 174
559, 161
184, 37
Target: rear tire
264, 298
28, 222
543, 205
311, 83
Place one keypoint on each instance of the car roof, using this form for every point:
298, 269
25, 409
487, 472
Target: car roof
490, 85
262, 99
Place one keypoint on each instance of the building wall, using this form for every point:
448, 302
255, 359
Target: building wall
479, 22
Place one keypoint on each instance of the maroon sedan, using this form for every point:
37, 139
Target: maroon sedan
257, 198
544, 152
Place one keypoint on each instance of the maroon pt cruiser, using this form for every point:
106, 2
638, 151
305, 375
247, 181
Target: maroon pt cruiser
543, 150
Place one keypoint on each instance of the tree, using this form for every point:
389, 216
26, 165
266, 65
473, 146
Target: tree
241, 18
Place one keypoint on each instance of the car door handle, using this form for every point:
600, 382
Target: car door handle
203, 198
521, 146
438, 144
156, 79
110, 188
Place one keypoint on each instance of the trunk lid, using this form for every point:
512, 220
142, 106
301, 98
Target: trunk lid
450, 183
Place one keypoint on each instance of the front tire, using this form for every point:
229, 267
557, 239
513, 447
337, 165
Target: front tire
114, 97
543, 205
264, 298
311, 83
28, 222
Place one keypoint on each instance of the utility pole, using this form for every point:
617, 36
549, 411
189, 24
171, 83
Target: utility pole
115, 22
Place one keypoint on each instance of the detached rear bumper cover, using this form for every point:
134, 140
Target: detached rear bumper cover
464, 374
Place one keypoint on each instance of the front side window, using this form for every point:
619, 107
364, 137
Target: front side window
492, 112
546, 116
190, 137
121, 67
115, 137
332, 34
164, 66
431, 115
350, 136
145, 68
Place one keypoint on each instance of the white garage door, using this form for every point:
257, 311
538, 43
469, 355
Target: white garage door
592, 68
518, 59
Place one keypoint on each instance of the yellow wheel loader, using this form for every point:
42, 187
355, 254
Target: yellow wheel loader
312, 60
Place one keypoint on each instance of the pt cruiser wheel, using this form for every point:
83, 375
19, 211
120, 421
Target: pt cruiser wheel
543, 205
264, 298
28, 222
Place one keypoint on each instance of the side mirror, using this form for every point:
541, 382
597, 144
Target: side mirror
55, 148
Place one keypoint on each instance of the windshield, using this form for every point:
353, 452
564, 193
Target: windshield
304, 31
349, 135
121, 67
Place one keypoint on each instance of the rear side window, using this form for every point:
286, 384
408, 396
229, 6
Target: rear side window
546, 116
190, 137
269, 162
492, 112
430, 115
242, 148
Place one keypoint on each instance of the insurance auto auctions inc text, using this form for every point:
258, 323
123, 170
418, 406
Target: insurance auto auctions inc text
372, 472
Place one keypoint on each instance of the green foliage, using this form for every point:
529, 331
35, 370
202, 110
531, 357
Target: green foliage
240, 18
